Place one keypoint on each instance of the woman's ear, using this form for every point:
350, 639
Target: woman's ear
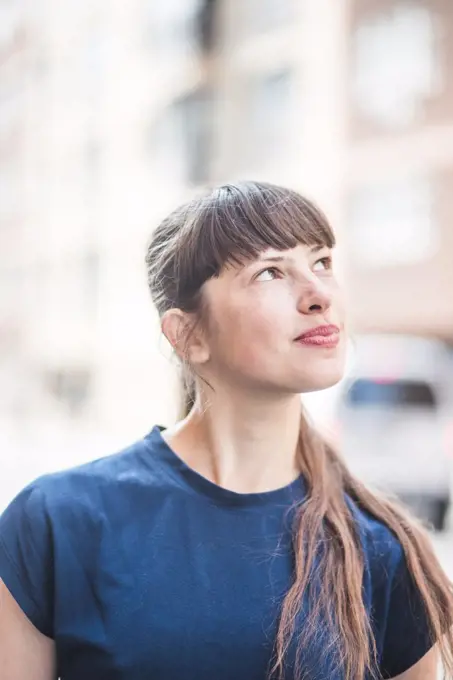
185, 336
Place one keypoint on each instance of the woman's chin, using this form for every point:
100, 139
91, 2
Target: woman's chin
322, 379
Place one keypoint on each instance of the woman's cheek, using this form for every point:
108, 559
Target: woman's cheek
251, 330
256, 339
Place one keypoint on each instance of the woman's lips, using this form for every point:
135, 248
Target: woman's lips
322, 336
321, 340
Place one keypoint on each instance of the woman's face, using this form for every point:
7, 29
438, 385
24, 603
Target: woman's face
259, 313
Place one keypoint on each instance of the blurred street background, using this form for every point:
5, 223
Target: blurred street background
113, 112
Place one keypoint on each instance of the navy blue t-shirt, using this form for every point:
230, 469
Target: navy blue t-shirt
140, 568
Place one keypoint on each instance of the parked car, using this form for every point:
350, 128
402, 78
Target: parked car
394, 420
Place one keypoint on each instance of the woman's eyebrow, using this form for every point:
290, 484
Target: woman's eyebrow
276, 258
286, 258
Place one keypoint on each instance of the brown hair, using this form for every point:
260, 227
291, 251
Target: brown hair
232, 224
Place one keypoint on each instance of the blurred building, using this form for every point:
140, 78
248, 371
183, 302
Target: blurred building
110, 113
399, 188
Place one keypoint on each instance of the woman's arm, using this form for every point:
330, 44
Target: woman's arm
426, 669
25, 654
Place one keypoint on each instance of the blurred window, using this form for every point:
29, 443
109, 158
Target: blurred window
70, 387
401, 393
178, 27
396, 66
392, 223
267, 119
260, 16
182, 139
11, 14
206, 24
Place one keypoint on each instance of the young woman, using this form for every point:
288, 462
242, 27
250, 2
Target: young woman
235, 545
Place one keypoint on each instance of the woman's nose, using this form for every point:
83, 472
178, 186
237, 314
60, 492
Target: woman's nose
314, 298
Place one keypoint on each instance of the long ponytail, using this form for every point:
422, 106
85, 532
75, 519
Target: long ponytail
326, 519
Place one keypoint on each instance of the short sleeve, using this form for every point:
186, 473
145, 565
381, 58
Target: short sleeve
408, 635
26, 556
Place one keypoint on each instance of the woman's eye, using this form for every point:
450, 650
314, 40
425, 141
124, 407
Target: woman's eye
268, 274
323, 264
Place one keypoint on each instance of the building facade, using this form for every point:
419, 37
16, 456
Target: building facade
399, 181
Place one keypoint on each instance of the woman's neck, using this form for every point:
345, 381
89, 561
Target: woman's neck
245, 446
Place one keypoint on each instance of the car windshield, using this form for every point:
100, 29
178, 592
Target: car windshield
399, 393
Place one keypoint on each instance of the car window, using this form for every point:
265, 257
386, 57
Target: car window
404, 393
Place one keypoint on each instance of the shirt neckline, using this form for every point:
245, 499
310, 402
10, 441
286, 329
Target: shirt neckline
188, 477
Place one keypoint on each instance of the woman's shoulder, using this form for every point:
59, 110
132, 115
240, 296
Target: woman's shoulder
59, 520
90, 484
